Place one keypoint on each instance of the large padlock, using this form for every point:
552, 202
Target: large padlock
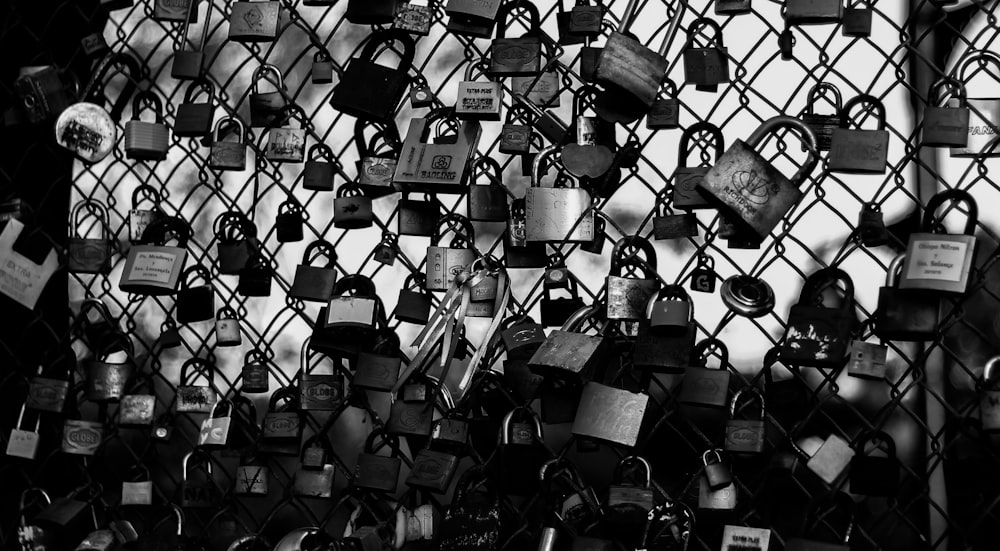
875, 475
816, 335
478, 100
378, 472
521, 453
745, 435
667, 347
823, 125
195, 302
228, 155
285, 144
832, 501
315, 476
315, 283
254, 374
348, 322
706, 66
254, 21
188, 64
557, 311
703, 386
281, 430
628, 297
665, 112
812, 12
377, 160
378, 369
370, 12
748, 188
288, 221
371, 91
352, 208
197, 492
320, 167
610, 414
227, 328
570, 354
137, 407
64, 519
23, 442
319, 391
194, 119
516, 56
193, 398
686, 178
487, 203
556, 214
984, 119
439, 167
857, 151
267, 109
147, 141
444, 264
137, 487
905, 314
155, 268
946, 126
89, 255
237, 241
107, 379
214, 431
989, 399
941, 262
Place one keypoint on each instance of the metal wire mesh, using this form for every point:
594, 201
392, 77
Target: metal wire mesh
946, 498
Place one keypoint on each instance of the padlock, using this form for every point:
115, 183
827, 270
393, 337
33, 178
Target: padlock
137, 488
941, 262
237, 241
79, 436
703, 277
478, 100
669, 525
703, 386
706, 66
668, 225
857, 151
412, 408
748, 188
48, 388
564, 19
788, 399
874, 475
195, 303
251, 475
868, 359
665, 112
23, 443
477, 11
254, 373
418, 218
348, 322
576, 506
315, 283
377, 161
370, 12
89, 255
738, 538
315, 476
946, 126
197, 492
667, 347
371, 91
716, 472
244, 432
832, 501
546, 125
155, 268
989, 398
188, 64
436, 167
288, 222
686, 179
984, 119
521, 454
137, 407
378, 472
542, 89
627, 297
516, 131
352, 209
557, 311
65, 519
823, 125
319, 170
281, 430
433, 470
414, 303
630, 501
444, 264
86, 128
487, 203
812, 12
831, 460
378, 369
321, 71
723, 498
630, 72
568, 353
816, 335
518, 252
745, 435
267, 109
905, 314
146, 141
174, 10
856, 21
228, 155
193, 398
214, 431
287, 145
592, 155
106, 379
733, 7
871, 226
516, 56
194, 120
556, 213
414, 17
521, 336
44, 92
472, 520
610, 414
227, 328
254, 21
318, 391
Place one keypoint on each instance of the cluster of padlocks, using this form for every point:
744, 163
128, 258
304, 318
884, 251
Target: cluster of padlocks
474, 435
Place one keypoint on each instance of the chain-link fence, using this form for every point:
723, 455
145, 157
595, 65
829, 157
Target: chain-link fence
927, 401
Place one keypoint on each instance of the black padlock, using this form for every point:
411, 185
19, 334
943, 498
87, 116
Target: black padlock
288, 222
255, 277
564, 21
195, 303
267, 109
673, 226
585, 19
516, 56
856, 150
378, 369
822, 125
704, 387
873, 475
667, 350
433, 470
371, 12
946, 125
352, 209
732, 7
856, 21
871, 226
555, 311
414, 303
371, 91
521, 453
322, 67
254, 374
410, 416
281, 429
195, 119
237, 240
315, 283
317, 175
521, 336
487, 203
703, 277
718, 474
817, 336
518, 252
686, 178
378, 472
905, 314
707, 66
665, 113
417, 217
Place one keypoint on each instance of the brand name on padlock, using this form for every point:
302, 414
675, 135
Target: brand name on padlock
983, 130
378, 170
323, 391
854, 150
514, 53
46, 393
742, 435
83, 437
88, 251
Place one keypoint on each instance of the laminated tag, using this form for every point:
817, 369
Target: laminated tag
21, 279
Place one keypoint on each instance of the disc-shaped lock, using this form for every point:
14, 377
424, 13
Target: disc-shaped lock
747, 296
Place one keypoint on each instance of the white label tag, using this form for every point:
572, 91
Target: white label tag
154, 267
744, 538
350, 310
21, 279
937, 260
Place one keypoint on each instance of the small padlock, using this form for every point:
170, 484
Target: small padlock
48, 388
154, 267
281, 430
348, 322
288, 222
667, 225
79, 436
875, 475
267, 109
368, 90
194, 119
665, 113
478, 100
666, 348
315, 475
716, 473
228, 155
146, 141
227, 328
414, 303
319, 170
706, 387
812, 12
421, 94
521, 456
686, 178
867, 359
487, 203
315, 283
418, 218
831, 500
137, 489
287, 145
518, 252
252, 475
23, 443
570, 354
195, 303
254, 21
378, 472
628, 297
138, 407
516, 56
237, 241
831, 459
214, 432
733, 7
106, 379
197, 492
378, 369
516, 132
723, 498
706, 66
542, 90
984, 117
610, 414
856, 151
739, 538
856, 21
318, 391
745, 435
703, 277
823, 125
352, 209
193, 398
322, 67
378, 159
254, 373
414, 17
629, 502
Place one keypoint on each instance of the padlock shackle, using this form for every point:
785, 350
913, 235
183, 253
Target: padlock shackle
387, 440
697, 24
874, 436
579, 95
289, 205
671, 292
189, 14
225, 313
452, 221
818, 91
201, 456
894, 270
226, 404
320, 440
261, 72
790, 122
198, 366
753, 393
507, 9
616, 477
357, 285
954, 86
475, 64
958, 195
537, 164
156, 232
975, 56
320, 247
234, 226
993, 364
643, 245
320, 149
200, 84
149, 192
845, 113
701, 351
221, 123
834, 499
198, 271
683, 148
96, 83
491, 168
386, 37
712, 451
90, 207
819, 280
508, 419
575, 320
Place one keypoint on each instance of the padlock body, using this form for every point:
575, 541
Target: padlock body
313, 283
254, 21
320, 392
352, 212
479, 100
938, 262
136, 409
286, 145
252, 480
627, 297
376, 472
314, 483
88, 256
413, 306
543, 92
569, 356
147, 141
152, 269
375, 175
516, 56
318, 176
137, 493
662, 352
487, 203
228, 156
705, 387
106, 381
989, 409
321, 72
444, 264
675, 226
685, 194
858, 151
744, 436
370, 91
732, 7
831, 459
723, 498
664, 114
515, 139
857, 22
47, 394
817, 336
610, 414
187, 65
867, 360
705, 66
81, 437
946, 126
626, 64
813, 12
194, 119
823, 127
432, 471
984, 121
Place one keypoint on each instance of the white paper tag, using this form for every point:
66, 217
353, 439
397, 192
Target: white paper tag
152, 266
21, 279
744, 538
938, 260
